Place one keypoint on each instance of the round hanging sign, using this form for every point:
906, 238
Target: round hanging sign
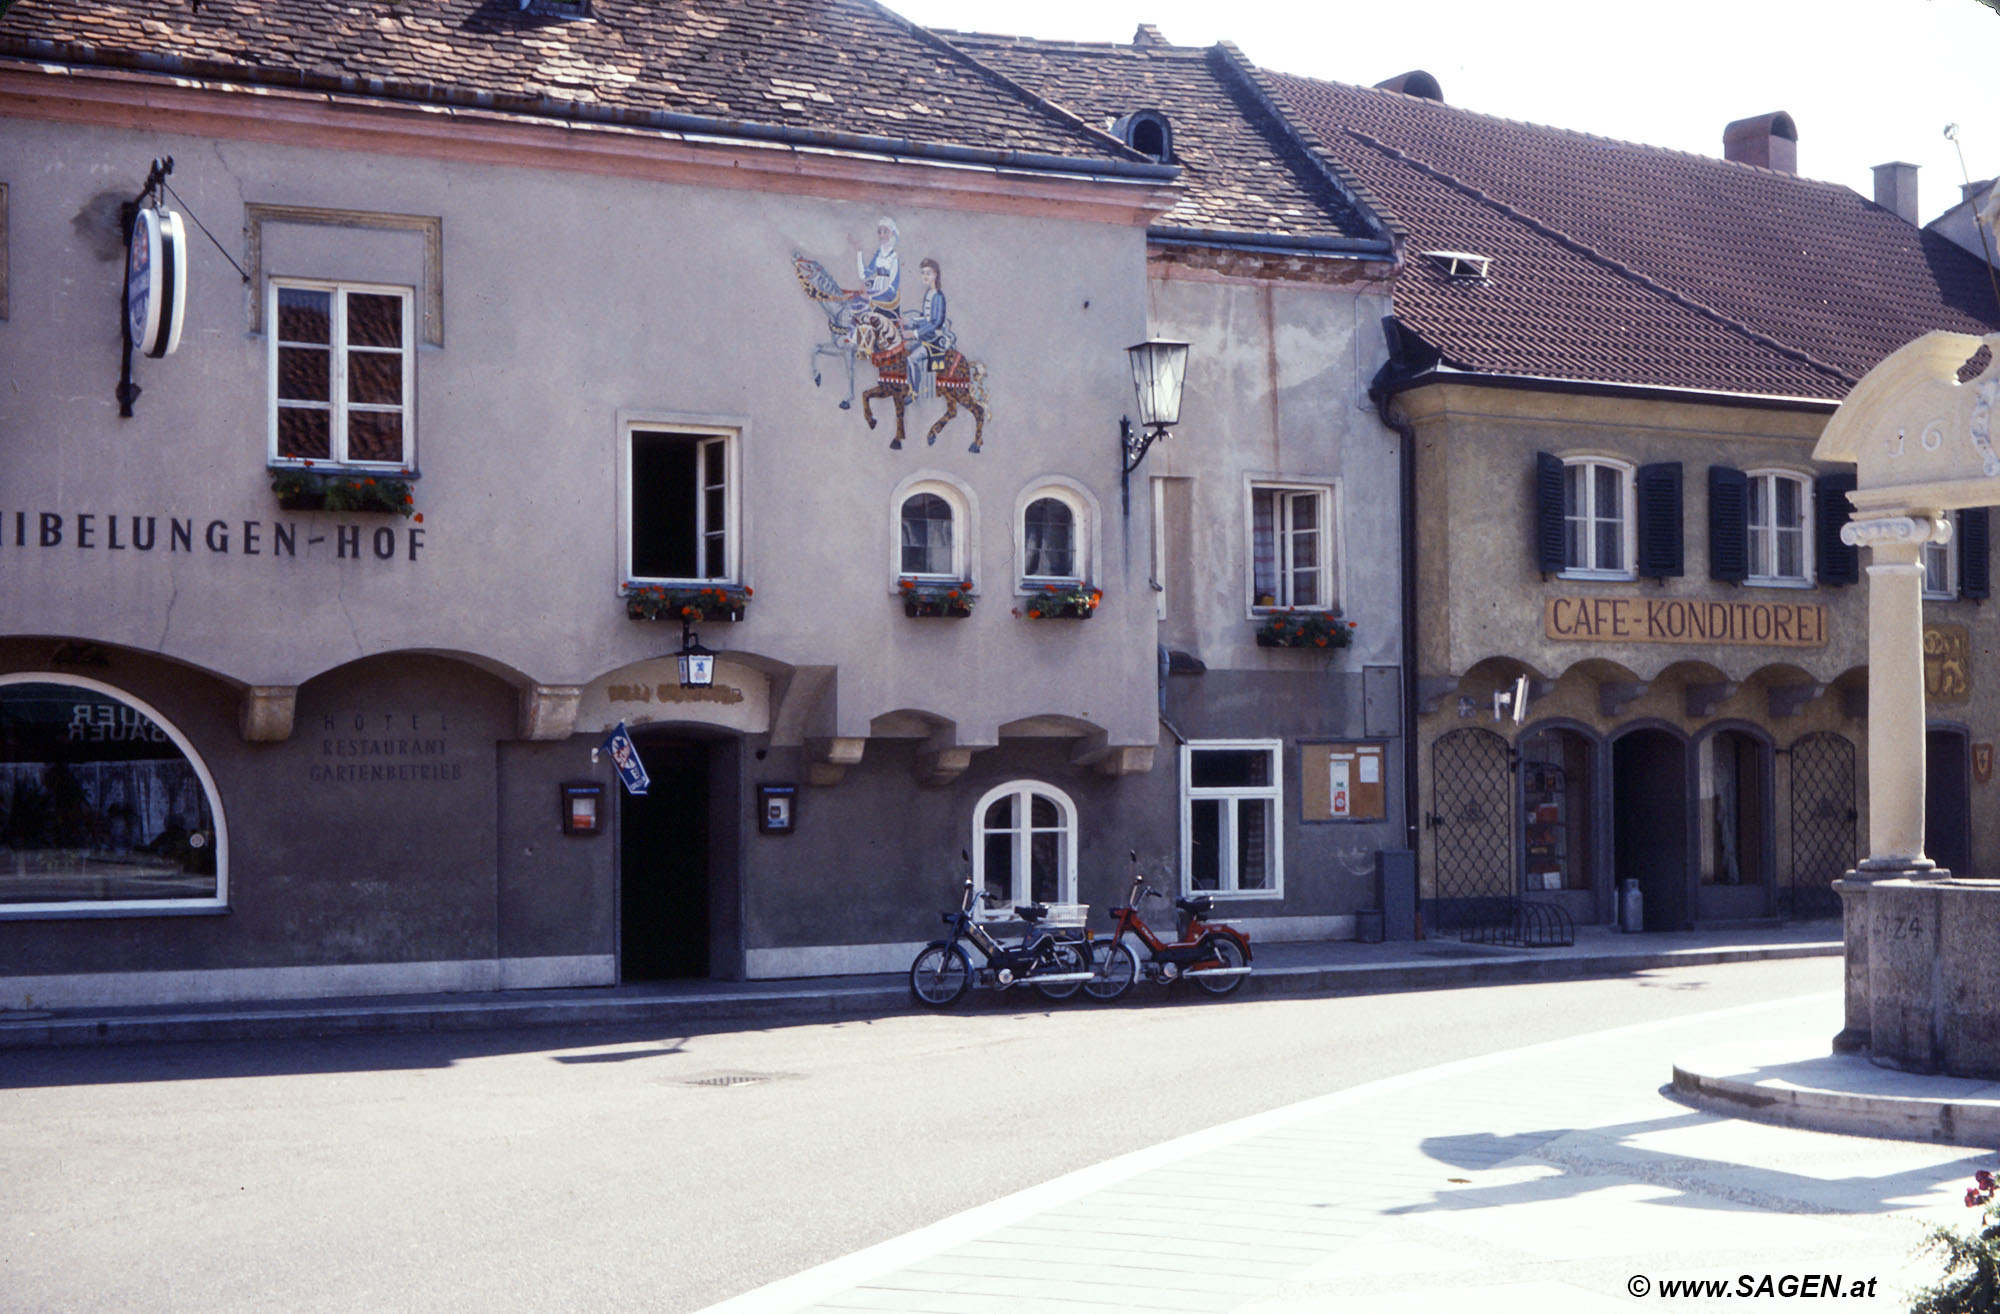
156, 281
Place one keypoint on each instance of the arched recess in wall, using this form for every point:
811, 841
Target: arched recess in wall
105, 807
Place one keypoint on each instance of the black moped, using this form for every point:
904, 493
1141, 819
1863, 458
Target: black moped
1056, 961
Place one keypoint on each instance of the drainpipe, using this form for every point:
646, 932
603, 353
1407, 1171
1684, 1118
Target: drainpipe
1382, 391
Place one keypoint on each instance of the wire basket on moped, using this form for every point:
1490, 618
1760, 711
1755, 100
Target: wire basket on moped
1213, 955
1053, 955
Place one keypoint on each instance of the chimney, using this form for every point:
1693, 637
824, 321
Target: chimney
1769, 141
1896, 189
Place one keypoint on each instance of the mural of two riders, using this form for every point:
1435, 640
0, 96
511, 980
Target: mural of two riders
913, 349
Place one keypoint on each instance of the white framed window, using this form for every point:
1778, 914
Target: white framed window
932, 531
679, 504
1597, 518
343, 375
1024, 847
1941, 568
109, 810
1232, 807
1055, 529
1292, 555
1778, 518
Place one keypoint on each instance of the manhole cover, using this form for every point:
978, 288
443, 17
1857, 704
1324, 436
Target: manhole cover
733, 1079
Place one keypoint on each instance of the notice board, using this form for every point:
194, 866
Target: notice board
1344, 781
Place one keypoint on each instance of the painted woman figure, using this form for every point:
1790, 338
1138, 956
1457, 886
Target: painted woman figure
930, 325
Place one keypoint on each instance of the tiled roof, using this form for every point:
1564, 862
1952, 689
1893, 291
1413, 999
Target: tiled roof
1630, 264
845, 67
1242, 171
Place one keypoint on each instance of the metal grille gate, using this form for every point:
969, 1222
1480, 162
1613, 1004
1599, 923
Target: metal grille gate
1472, 829
1823, 824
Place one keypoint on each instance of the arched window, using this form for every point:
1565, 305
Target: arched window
1049, 546
1735, 803
103, 805
1556, 797
1024, 846
929, 540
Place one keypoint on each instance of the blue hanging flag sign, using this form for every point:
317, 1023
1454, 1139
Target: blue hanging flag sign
625, 756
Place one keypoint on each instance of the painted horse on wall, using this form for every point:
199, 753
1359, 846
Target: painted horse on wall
840, 305
956, 379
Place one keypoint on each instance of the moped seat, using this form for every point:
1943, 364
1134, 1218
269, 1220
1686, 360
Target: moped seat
1034, 914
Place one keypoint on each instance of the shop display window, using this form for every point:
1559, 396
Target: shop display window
1555, 799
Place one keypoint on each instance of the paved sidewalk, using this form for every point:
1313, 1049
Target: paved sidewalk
1323, 967
1556, 1177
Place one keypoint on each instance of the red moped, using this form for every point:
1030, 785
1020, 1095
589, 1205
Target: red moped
1213, 955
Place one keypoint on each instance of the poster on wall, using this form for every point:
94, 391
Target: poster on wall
1343, 782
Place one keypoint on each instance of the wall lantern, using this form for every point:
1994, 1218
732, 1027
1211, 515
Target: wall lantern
582, 807
696, 662
1158, 370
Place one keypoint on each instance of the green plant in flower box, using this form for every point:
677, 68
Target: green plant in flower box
1061, 602
1292, 628
706, 602
932, 597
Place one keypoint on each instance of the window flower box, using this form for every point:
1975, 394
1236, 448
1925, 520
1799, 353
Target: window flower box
706, 602
1061, 602
928, 597
1304, 629
322, 490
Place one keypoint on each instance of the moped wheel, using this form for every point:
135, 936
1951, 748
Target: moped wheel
1229, 954
940, 976
1067, 959
1115, 973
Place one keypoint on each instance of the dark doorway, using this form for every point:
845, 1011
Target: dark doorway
664, 866
1649, 827
1948, 802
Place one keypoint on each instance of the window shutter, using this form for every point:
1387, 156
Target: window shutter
1659, 494
1728, 524
1838, 563
1974, 571
1549, 553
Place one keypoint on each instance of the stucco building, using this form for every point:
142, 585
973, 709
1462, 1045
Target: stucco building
1640, 643
512, 336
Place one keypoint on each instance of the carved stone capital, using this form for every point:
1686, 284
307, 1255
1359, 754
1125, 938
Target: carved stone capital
265, 711
1884, 531
548, 711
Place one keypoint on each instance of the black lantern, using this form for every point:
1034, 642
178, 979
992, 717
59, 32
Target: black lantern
696, 662
1158, 370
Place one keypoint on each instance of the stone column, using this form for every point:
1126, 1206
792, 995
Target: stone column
1895, 746
1896, 688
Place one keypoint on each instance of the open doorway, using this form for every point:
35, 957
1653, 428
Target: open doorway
1948, 800
663, 860
1649, 824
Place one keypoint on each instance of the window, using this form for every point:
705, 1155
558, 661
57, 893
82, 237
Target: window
1230, 795
1291, 547
1024, 846
1556, 811
103, 806
933, 531
1777, 517
929, 545
1048, 541
1595, 524
343, 371
680, 505
1940, 571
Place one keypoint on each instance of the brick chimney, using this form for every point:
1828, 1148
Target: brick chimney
1896, 189
1769, 141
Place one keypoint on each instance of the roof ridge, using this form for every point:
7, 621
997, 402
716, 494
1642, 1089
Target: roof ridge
1590, 252
1035, 100
1235, 64
1166, 51
1577, 133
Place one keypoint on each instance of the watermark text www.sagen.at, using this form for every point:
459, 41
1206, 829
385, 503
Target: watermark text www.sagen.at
1749, 1286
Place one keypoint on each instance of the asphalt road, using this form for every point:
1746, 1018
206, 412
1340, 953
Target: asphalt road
614, 1169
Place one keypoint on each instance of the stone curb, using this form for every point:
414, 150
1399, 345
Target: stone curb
390, 1014
1840, 1100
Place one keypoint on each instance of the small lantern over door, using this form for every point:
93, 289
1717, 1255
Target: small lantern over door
697, 664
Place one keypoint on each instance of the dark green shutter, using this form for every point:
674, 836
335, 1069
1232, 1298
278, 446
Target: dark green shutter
1549, 552
1728, 524
1659, 495
1975, 576
1837, 562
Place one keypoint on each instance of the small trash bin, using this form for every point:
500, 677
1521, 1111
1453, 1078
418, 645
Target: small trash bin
1368, 926
1396, 893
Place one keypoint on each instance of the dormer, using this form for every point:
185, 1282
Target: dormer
1148, 132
